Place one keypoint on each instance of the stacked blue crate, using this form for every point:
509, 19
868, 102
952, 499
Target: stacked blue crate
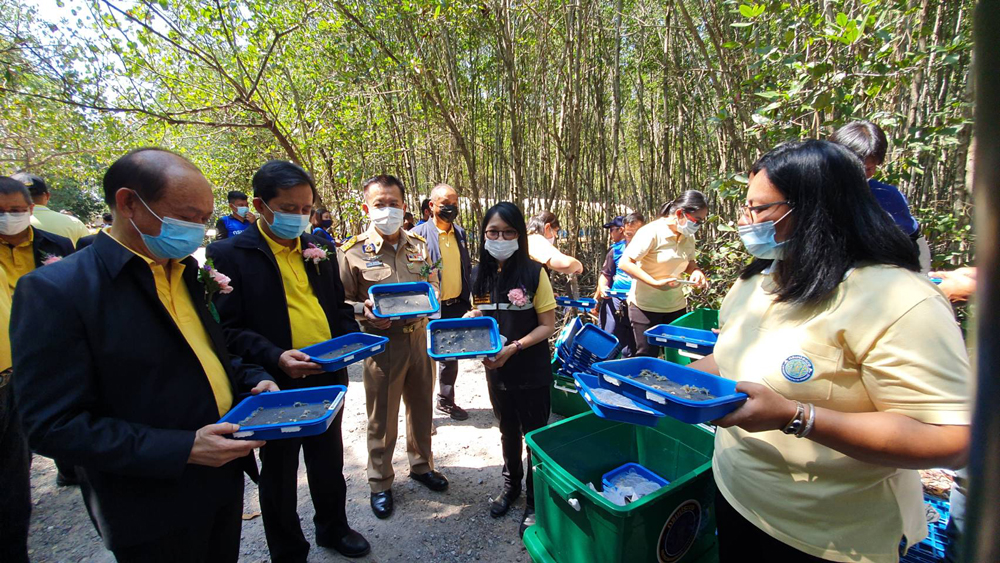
932, 549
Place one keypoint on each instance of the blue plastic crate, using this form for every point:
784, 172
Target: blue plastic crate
933, 547
641, 415
459, 324
693, 340
577, 303
333, 393
374, 344
609, 477
422, 287
615, 374
592, 344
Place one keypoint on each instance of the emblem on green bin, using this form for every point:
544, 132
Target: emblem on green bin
679, 532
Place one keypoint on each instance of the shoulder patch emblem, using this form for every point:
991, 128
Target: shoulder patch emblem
416, 236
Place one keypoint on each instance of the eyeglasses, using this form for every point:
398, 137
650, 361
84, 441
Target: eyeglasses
509, 234
693, 219
748, 211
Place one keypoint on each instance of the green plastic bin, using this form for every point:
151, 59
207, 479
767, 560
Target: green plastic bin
577, 525
705, 319
564, 397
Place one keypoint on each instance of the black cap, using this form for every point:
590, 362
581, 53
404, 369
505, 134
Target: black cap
618, 221
36, 186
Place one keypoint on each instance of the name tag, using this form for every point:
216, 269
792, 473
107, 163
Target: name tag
481, 300
373, 264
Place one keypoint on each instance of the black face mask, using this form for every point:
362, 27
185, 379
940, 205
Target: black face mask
447, 213
326, 223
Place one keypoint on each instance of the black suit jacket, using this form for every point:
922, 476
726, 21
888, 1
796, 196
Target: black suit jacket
105, 380
255, 314
46, 244
84, 242
429, 232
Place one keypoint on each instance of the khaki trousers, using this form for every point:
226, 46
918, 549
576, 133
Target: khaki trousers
404, 371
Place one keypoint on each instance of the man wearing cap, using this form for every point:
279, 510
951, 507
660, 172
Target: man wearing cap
46, 219
447, 244
612, 310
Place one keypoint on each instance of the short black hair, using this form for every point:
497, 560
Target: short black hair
236, 195
633, 218
277, 175
537, 223
108, 218
864, 138
139, 172
10, 186
384, 180
690, 201
36, 186
838, 222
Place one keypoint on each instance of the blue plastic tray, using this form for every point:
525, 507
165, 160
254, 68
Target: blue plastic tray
618, 294
609, 477
568, 331
473, 322
335, 393
591, 345
645, 417
615, 375
578, 303
934, 546
683, 338
422, 287
374, 344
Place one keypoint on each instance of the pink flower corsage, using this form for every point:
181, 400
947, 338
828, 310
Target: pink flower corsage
315, 254
517, 297
50, 259
214, 282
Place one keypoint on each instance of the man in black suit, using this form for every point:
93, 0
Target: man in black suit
283, 301
133, 372
448, 247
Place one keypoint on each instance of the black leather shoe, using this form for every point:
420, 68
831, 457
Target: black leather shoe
432, 480
63, 480
502, 504
352, 544
454, 411
527, 521
382, 504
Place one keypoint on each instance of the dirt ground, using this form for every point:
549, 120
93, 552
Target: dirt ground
426, 526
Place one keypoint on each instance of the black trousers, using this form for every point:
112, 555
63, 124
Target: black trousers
519, 411
215, 542
614, 319
739, 540
324, 457
448, 371
15, 484
643, 321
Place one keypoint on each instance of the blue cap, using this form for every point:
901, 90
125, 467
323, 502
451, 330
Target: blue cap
618, 221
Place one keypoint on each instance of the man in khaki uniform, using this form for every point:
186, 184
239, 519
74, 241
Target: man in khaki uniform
386, 253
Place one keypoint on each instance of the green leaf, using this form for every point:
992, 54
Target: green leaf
741, 24
841, 19
746, 11
768, 95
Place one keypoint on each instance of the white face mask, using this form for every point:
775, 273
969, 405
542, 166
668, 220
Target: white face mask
501, 249
387, 220
689, 228
14, 223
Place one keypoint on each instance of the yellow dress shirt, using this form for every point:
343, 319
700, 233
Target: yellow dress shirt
451, 265
305, 315
177, 300
17, 261
5, 361
885, 341
661, 254
58, 223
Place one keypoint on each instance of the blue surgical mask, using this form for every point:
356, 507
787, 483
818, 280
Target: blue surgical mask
287, 225
242, 211
177, 239
758, 238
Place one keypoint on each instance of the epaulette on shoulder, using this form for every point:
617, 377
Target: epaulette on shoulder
347, 244
416, 236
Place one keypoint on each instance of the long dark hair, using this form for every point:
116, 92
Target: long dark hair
690, 201
838, 223
519, 270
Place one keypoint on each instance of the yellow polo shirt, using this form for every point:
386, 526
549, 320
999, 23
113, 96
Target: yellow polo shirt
886, 341
5, 360
17, 261
451, 264
544, 299
58, 223
305, 315
661, 254
177, 300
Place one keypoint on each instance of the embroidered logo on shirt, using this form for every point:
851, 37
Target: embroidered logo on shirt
797, 368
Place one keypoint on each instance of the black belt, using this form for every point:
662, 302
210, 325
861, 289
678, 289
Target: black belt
450, 302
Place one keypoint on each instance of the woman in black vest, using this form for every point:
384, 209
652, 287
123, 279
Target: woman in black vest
515, 291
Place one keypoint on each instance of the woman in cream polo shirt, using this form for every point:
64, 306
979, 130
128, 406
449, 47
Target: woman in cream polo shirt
657, 256
853, 363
